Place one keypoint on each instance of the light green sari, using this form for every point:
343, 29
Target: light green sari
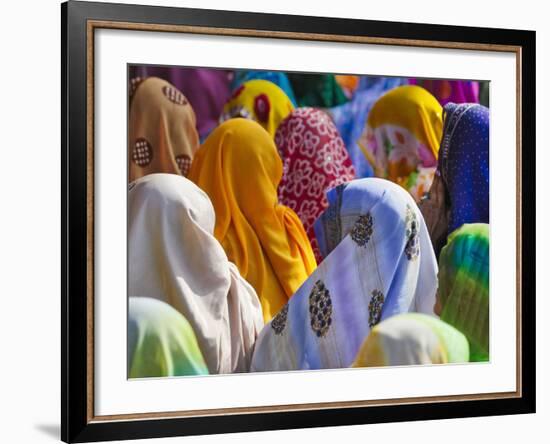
464, 286
160, 341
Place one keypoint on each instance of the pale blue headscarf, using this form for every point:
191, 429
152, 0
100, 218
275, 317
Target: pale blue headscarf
383, 265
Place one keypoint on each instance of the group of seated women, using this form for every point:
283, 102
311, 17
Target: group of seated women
289, 222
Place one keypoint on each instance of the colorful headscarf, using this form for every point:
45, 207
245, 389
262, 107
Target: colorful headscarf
460, 191
174, 257
162, 133
207, 89
261, 101
314, 161
402, 138
412, 339
277, 77
445, 91
239, 168
350, 117
317, 90
463, 293
383, 266
464, 163
160, 341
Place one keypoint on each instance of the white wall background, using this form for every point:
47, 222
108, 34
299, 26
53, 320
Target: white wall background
30, 219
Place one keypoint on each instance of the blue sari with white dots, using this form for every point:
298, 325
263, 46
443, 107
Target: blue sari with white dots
464, 163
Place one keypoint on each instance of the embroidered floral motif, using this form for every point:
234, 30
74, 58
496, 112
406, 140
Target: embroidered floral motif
142, 154
362, 230
278, 323
412, 248
184, 163
262, 107
174, 95
320, 309
375, 307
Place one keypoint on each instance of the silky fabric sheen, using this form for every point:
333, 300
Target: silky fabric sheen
174, 257
239, 168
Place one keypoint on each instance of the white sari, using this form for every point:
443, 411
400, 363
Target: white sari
174, 257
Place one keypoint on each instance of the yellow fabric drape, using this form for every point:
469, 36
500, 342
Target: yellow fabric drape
261, 101
239, 168
162, 130
413, 108
404, 130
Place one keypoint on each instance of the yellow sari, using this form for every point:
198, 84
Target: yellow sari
239, 168
261, 101
402, 138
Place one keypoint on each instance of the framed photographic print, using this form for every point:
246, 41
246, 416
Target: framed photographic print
275, 221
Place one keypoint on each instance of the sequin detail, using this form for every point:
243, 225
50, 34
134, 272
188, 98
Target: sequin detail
142, 154
412, 248
320, 309
362, 230
375, 307
184, 163
174, 95
278, 323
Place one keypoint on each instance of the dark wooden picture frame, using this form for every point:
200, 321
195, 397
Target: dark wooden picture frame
79, 20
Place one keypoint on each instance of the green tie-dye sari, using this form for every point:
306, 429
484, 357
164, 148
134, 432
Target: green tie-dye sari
464, 286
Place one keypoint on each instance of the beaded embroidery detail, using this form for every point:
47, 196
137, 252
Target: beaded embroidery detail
362, 230
278, 323
375, 307
412, 248
142, 154
320, 309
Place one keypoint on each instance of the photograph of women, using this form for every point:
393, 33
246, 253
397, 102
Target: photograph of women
284, 221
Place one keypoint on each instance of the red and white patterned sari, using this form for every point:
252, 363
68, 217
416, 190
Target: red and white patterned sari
314, 161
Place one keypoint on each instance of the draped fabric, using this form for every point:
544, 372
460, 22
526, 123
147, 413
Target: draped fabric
279, 78
460, 191
402, 138
317, 90
239, 168
174, 257
206, 89
464, 163
160, 341
350, 117
162, 130
261, 101
383, 265
446, 91
314, 161
412, 339
463, 295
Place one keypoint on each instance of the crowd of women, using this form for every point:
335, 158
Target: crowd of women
305, 221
